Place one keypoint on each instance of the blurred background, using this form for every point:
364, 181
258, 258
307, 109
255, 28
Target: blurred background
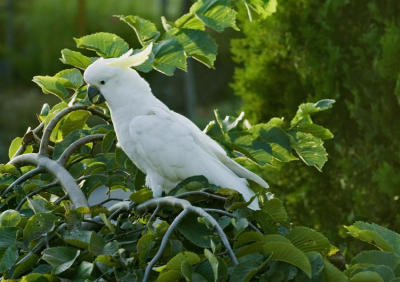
34, 32
347, 50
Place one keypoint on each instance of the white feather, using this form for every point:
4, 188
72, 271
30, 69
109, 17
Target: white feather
165, 145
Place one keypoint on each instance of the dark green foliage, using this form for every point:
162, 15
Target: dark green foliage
346, 50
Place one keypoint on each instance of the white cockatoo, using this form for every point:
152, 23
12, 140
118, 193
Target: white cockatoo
163, 144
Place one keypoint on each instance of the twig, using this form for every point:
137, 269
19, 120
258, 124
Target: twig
108, 200
55, 183
186, 205
62, 160
52, 124
59, 200
231, 215
164, 242
201, 193
22, 178
66, 180
152, 216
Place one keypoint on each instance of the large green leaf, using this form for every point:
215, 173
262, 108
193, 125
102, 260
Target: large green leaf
105, 44
306, 110
310, 149
73, 76
331, 273
247, 267
39, 225
9, 218
375, 257
264, 8
309, 240
60, 258
8, 249
169, 55
146, 31
275, 209
377, 235
196, 43
52, 85
75, 59
216, 14
284, 251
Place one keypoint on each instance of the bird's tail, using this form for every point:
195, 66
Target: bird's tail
243, 172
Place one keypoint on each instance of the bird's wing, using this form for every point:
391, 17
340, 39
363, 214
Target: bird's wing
166, 147
208, 144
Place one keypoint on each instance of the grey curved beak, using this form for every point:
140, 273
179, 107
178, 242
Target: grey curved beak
95, 95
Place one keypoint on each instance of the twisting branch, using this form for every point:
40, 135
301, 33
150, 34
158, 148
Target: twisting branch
22, 178
153, 215
22, 147
52, 124
164, 242
201, 193
231, 215
66, 180
187, 208
62, 160
37, 191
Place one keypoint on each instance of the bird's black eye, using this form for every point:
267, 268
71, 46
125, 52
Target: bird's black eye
102, 82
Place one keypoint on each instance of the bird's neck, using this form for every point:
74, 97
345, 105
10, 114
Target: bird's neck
135, 99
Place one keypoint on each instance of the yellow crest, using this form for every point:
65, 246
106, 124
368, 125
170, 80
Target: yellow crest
127, 60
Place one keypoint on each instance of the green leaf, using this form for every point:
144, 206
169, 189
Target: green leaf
389, 259
189, 21
196, 232
331, 273
146, 31
307, 109
39, 225
284, 251
71, 122
309, 240
264, 8
216, 14
248, 266
108, 141
376, 235
28, 262
169, 276
84, 271
144, 245
176, 261
8, 250
14, 146
78, 238
276, 210
141, 196
196, 43
74, 78
9, 218
213, 262
105, 44
52, 85
310, 149
60, 258
75, 59
169, 55
367, 276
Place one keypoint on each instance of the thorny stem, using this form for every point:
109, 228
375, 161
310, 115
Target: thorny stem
164, 242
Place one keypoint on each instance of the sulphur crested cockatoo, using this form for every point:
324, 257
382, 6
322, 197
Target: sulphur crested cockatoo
163, 144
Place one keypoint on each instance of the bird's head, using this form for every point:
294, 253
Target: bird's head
104, 76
